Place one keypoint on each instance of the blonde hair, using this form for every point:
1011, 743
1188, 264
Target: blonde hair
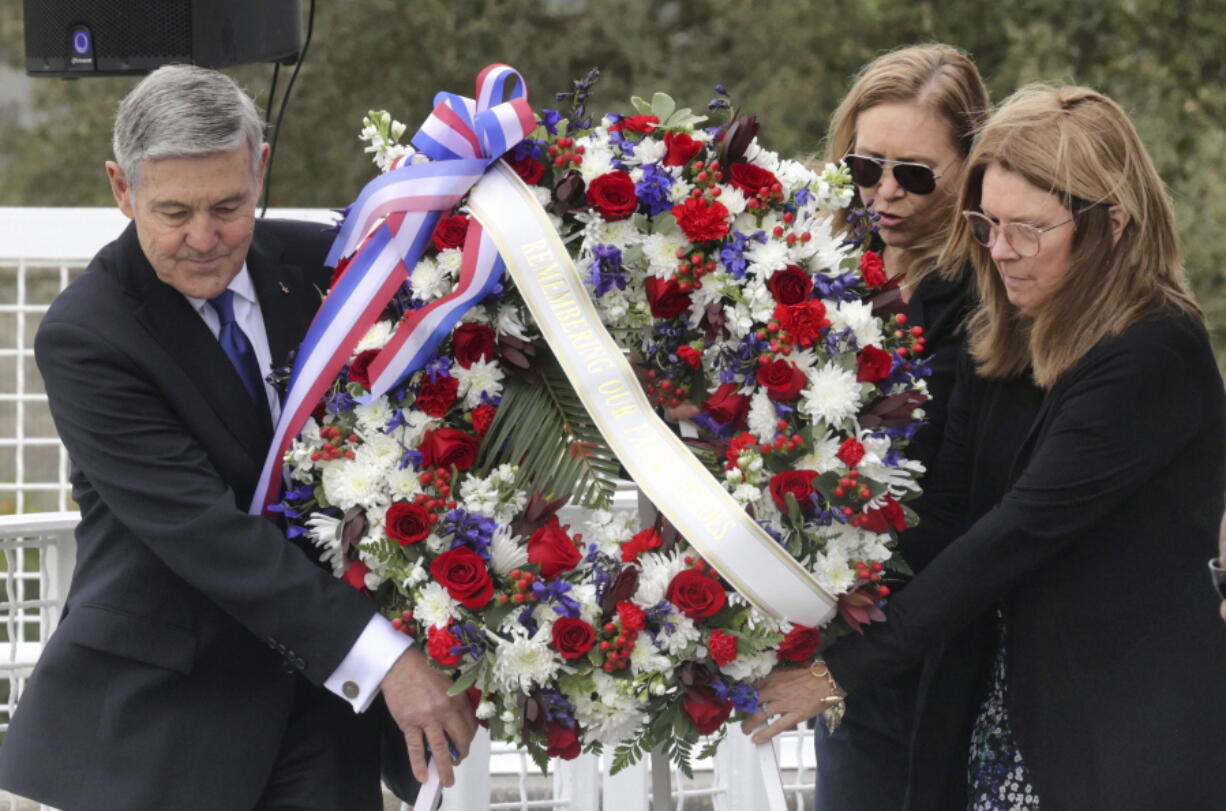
1081, 146
940, 77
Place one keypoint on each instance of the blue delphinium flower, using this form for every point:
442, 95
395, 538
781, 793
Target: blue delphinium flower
556, 592
654, 190
550, 119
744, 697
606, 269
468, 529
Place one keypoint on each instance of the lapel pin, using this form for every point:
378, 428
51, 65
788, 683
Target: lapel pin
284, 289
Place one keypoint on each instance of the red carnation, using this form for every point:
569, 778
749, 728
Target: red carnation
790, 285
722, 646
666, 298
613, 195
797, 482
407, 523
448, 447
640, 543
889, 515
471, 343
681, 148
450, 232
563, 741
636, 123
439, 644
783, 380
359, 367
737, 444
631, 616
463, 573
436, 398
804, 322
799, 645
696, 595
483, 418
702, 220
707, 710
753, 180
851, 452
552, 549
873, 269
572, 637
689, 356
529, 169
874, 364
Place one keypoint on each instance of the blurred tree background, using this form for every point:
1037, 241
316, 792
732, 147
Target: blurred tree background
788, 62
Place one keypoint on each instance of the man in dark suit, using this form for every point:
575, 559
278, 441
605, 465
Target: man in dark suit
203, 661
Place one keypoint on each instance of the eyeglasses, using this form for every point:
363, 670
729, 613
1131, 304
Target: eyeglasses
1219, 577
1022, 238
916, 178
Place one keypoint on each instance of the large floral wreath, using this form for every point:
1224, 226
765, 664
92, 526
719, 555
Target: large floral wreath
716, 265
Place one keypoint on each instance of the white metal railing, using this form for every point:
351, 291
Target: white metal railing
41, 250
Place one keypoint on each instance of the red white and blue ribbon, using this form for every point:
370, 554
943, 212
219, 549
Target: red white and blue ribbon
384, 234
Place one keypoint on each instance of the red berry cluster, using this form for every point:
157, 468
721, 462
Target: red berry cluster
872, 573
665, 391
693, 267
766, 197
906, 341
792, 237
564, 152
784, 442
437, 496
779, 343
405, 623
854, 495
521, 589
617, 643
335, 444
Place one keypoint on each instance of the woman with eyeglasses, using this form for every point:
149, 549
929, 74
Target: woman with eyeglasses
904, 131
1069, 661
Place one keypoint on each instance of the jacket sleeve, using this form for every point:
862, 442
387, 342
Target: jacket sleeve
1129, 408
155, 478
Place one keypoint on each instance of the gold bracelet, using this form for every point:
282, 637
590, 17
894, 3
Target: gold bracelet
835, 706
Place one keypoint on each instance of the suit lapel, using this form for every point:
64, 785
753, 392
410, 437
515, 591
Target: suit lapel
287, 300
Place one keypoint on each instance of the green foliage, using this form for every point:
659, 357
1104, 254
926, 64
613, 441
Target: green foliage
787, 62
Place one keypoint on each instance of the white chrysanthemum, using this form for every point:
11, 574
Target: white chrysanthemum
428, 281
589, 607
379, 451
506, 552
759, 299
483, 377
449, 262
480, 496
510, 322
767, 257
750, 667
435, 608
660, 250
614, 307
833, 573
710, 292
794, 175
597, 156
649, 150
322, 530
858, 316
376, 337
734, 200
759, 155
679, 191
822, 456
402, 483
833, 395
646, 658
522, 663
679, 632
610, 712
373, 416
658, 570
350, 483
763, 420
618, 233
416, 423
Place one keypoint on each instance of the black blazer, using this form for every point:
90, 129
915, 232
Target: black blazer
1087, 516
171, 675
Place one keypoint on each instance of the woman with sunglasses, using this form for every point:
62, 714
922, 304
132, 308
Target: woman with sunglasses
1069, 660
904, 131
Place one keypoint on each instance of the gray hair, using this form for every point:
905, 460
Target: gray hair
183, 111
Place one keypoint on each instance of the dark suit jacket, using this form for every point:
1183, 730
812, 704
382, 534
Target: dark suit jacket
169, 679
1089, 525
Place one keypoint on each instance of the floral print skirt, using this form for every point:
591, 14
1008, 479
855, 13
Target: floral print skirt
996, 776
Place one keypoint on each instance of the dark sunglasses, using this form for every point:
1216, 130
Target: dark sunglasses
1219, 577
913, 177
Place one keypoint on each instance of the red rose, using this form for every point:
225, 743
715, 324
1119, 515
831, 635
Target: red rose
874, 364
804, 322
640, 543
790, 285
681, 148
407, 523
471, 343
689, 356
613, 195
563, 741
436, 398
707, 710
722, 646
447, 447
529, 169
696, 595
552, 549
873, 269
359, 367
666, 298
463, 573
439, 644
783, 381
727, 407
797, 482
889, 515
702, 220
450, 232
636, 123
483, 418
753, 180
631, 616
851, 452
799, 645
572, 637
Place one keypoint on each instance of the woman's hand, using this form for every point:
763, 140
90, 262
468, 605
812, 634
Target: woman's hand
793, 694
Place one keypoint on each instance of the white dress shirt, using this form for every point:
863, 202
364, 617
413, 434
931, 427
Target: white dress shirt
377, 648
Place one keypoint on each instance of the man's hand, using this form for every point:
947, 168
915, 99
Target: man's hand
416, 695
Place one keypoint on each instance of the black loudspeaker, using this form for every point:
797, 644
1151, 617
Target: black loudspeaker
76, 38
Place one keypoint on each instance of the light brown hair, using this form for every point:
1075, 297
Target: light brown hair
941, 77
1081, 146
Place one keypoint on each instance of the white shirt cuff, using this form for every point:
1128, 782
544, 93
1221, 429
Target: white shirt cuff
360, 673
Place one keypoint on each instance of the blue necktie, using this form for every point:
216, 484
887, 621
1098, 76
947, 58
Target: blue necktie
241, 354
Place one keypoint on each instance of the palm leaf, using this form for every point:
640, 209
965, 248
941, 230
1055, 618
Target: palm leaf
542, 427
